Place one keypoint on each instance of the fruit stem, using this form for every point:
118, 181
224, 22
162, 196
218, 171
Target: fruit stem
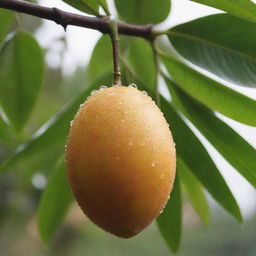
115, 45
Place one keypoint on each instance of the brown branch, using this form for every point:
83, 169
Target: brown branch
66, 18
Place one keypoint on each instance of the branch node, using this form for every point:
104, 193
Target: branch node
60, 18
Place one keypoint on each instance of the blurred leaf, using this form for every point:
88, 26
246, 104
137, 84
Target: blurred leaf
139, 51
194, 190
222, 44
4, 131
143, 11
54, 131
170, 221
21, 77
197, 159
211, 93
6, 18
54, 202
101, 61
244, 9
88, 6
231, 145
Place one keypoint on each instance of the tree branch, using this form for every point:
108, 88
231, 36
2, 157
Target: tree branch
66, 18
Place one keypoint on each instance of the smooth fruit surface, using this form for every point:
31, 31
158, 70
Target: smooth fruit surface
121, 160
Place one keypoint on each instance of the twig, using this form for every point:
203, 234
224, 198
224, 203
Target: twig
66, 18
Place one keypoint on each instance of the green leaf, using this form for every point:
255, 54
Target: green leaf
6, 18
21, 77
244, 9
101, 62
194, 190
211, 93
170, 221
87, 6
140, 50
222, 44
54, 131
195, 156
231, 145
54, 203
143, 11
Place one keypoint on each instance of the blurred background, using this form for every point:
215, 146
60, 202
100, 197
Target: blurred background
67, 55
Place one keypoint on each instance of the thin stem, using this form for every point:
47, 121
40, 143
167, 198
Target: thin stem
157, 67
115, 46
66, 18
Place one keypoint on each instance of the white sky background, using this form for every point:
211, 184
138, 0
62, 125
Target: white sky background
80, 43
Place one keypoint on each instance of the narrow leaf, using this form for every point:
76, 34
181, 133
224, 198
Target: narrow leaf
211, 93
54, 203
21, 77
143, 11
170, 221
244, 9
194, 190
217, 43
231, 145
195, 156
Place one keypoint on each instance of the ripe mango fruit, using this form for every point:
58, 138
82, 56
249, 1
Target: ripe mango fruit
121, 160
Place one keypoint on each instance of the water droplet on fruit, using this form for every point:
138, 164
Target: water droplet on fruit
81, 105
161, 211
103, 87
144, 92
71, 122
93, 92
153, 164
133, 86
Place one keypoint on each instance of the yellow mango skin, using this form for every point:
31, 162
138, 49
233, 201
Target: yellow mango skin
121, 160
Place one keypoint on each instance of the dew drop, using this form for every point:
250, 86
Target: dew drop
71, 123
103, 87
81, 105
87, 98
144, 92
93, 92
133, 86
161, 211
153, 164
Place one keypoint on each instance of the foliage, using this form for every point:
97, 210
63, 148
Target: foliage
222, 44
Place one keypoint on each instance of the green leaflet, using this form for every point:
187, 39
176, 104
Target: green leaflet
20, 77
244, 9
195, 156
194, 190
55, 201
170, 221
143, 11
231, 145
211, 93
222, 44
